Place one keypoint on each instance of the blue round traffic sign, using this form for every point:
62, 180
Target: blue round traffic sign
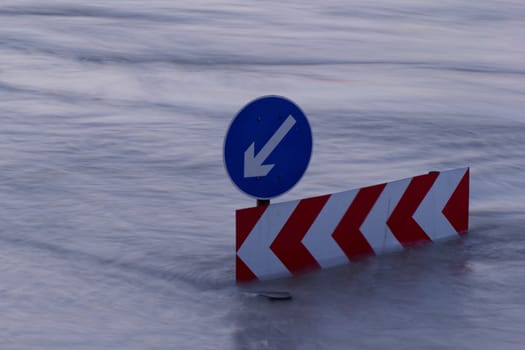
268, 147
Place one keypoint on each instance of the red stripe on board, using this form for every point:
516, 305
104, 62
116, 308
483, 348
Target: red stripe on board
456, 209
287, 246
243, 272
245, 220
401, 222
347, 233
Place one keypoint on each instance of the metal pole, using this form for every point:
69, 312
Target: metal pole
263, 202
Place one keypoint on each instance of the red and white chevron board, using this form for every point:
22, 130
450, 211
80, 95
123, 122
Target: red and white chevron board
287, 238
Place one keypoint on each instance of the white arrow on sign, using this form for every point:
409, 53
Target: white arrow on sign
253, 164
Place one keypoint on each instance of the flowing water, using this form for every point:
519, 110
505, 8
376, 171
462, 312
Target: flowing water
117, 216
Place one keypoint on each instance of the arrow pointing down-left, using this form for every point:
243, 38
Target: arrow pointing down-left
253, 164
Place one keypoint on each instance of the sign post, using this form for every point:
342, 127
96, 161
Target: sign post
267, 149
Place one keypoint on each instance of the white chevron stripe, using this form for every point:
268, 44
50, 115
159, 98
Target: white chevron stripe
255, 250
429, 214
374, 228
318, 240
